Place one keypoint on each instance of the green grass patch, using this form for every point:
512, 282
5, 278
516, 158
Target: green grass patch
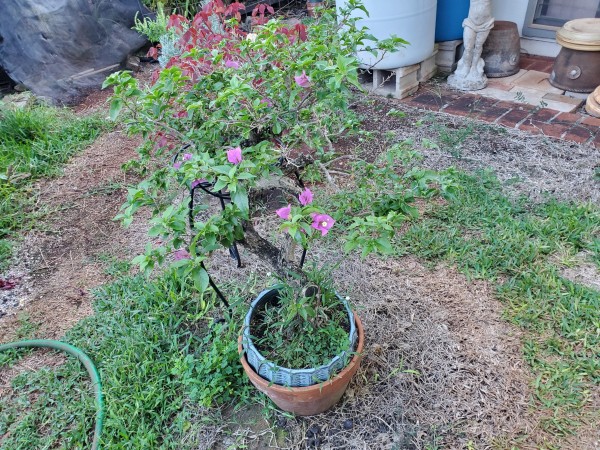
35, 142
157, 348
491, 237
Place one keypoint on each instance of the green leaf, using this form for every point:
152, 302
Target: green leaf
220, 184
200, 277
115, 108
384, 245
240, 199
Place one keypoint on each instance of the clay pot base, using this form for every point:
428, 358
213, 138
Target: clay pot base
310, 400
593, 103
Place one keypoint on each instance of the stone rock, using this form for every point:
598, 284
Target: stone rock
61, 48
133, 63
18, 101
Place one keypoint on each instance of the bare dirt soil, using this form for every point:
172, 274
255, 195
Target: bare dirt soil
441, 367
58, 265
531, 166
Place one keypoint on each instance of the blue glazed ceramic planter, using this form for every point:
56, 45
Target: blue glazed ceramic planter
292, 377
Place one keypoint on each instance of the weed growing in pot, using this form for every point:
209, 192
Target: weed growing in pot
306, 326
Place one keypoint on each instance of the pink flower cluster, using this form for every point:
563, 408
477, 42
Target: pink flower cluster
234, 155
321, 222
303, 80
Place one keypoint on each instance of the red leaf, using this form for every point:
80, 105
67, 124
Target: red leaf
234, 8
152, 53
7, 284
154, 77
301, 29
175, 21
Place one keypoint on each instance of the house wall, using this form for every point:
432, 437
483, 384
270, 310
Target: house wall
515, 11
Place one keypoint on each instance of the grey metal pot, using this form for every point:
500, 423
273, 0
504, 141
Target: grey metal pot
292, 377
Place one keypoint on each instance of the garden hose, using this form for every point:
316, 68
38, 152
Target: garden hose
87, 363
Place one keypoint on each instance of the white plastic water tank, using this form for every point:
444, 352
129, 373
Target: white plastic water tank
411, 20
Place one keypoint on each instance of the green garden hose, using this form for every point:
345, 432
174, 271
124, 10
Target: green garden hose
87, 363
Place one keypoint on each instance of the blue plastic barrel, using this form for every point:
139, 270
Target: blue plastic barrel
449, 19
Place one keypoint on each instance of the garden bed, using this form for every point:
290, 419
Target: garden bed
443, 367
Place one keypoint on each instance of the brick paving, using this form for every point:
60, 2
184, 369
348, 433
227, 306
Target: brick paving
539, 63
576, 126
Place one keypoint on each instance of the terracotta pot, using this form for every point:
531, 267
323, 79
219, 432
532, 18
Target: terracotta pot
310, 400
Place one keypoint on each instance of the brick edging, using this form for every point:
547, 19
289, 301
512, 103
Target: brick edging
575, 127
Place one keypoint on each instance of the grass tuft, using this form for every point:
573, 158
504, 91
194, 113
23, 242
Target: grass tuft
156, 348
491, 237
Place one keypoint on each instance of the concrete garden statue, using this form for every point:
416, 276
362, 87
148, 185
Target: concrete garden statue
469, 74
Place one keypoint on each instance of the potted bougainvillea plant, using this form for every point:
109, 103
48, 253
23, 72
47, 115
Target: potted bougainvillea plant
229, 115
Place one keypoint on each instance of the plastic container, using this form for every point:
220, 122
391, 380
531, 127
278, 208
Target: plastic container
449, 19
411, 20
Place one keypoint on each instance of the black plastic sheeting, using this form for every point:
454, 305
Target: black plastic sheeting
62, 48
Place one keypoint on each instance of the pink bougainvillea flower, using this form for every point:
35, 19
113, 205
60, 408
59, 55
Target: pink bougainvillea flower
303, 80
162, 142
197, 183
306, 197
187, 156
177, 165
234, 155
181, 114
267, 102
285, 212
181, 254
322, 222
232, 64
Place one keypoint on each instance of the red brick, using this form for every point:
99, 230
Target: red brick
482, 103
536, 58
544, 114
567, 118
492, 114
532, 127
591, 129
526, 63
427, 101
578, 134
541, 66
506, 105
593, 121
514, 105
464, 106
555, 130
513, 117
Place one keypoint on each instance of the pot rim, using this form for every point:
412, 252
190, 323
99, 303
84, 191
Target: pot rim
271, 367
265, 384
